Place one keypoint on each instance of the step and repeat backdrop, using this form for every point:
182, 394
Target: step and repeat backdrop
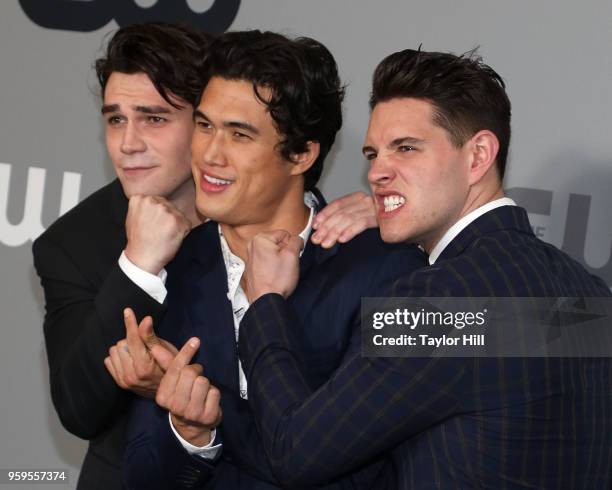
554, 56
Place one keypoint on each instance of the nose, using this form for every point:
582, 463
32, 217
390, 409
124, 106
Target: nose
212, 149
381, 172
132, 141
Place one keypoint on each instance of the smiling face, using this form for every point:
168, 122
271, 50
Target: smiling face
241, 178
419, 179
147, 139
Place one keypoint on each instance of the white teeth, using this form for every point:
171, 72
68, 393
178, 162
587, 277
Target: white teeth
393, 202
216, 181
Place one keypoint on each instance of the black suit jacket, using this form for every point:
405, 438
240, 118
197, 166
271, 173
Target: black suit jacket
85, 294
447, 423
327, 305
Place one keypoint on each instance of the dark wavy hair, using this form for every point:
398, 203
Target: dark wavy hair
467, 95
302, 75
170, 55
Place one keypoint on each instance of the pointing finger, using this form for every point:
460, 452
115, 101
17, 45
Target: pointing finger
185, 354
137, 347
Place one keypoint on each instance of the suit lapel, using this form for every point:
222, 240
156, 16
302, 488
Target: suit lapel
309, 285
209, 310
498, 219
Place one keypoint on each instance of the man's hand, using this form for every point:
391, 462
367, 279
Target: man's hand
130, 363
155, 230
343, 219
189, 397
272, 264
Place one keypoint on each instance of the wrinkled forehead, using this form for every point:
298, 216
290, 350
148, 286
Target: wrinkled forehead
399, 118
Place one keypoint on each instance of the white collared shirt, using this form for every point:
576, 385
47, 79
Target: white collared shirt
234, 266
458, 227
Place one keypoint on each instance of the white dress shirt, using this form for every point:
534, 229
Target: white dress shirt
458, 227
234, 266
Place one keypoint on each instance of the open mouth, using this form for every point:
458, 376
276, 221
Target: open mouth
208, 183
393, 202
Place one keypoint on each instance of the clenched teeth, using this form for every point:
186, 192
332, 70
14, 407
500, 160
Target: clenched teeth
393, 202
214, 180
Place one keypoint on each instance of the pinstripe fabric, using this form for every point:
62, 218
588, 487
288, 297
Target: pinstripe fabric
446, 423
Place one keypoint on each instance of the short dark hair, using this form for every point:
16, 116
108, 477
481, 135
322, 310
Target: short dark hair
467, 95
170, 55
302, 75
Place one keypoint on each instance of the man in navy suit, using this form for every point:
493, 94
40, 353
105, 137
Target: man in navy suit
437, 142
266, 120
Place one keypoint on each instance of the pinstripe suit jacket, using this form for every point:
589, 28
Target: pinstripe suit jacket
447, 423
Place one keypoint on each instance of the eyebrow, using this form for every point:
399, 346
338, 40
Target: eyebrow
145, 109
395, 143
110, 108
229, 124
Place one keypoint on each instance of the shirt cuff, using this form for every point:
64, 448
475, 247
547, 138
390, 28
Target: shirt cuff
209, 451
153, 285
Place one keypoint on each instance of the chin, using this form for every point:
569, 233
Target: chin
390, 235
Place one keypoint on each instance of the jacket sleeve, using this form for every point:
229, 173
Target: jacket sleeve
244, 448
155, 458
365, 409
82, 321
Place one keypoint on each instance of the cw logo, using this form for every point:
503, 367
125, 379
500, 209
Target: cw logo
539, 201
89, 15
15, 235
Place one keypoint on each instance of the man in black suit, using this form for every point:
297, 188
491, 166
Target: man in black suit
267, 119
91, 269
437, 143
150, 81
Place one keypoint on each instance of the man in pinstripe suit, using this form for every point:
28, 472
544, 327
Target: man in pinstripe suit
437, 143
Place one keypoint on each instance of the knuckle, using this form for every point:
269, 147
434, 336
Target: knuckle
175, 368
176, 409
191, 414
161, 399
141, 370
203, 383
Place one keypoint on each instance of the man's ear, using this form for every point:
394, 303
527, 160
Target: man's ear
303, 161
483, 147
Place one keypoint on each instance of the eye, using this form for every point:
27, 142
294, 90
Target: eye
241, 136
202, 124
156, 119
405, 148
370, 155
114, 120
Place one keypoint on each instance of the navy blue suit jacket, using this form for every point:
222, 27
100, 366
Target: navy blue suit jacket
327, 306
447, 423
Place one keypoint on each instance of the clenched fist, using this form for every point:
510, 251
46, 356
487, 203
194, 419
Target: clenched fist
272, 264
155, 230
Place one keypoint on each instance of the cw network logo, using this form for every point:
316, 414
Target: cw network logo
89, 15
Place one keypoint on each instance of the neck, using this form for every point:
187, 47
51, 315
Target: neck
290, 215
476, 198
